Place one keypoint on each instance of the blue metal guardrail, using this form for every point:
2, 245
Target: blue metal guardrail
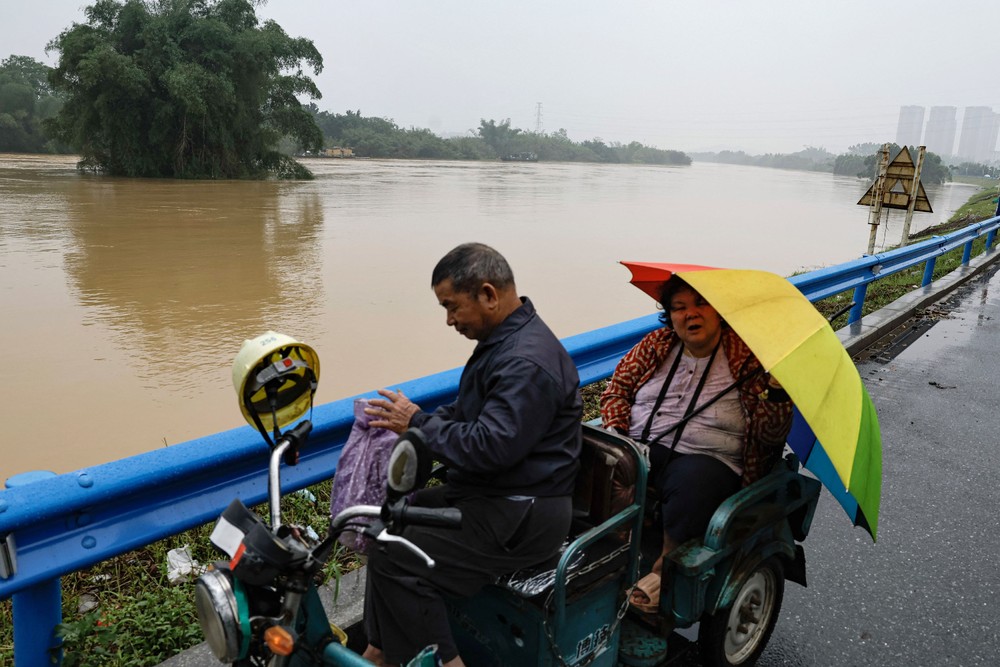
51, 525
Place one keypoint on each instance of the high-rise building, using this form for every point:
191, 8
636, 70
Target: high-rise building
911, 126
980, 127
939, 137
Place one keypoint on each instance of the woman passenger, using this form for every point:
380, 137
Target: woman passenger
694, 466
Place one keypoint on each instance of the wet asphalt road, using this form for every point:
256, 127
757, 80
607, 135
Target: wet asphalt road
928, 592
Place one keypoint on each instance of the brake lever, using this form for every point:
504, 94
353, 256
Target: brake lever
385, 537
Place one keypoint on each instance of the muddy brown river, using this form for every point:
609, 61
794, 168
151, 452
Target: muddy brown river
124, 301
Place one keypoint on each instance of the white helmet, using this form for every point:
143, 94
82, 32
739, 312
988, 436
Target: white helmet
275, 377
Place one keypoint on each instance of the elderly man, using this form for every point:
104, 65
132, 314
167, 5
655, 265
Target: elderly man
511, 441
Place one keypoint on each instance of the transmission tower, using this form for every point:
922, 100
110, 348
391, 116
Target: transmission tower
538, 118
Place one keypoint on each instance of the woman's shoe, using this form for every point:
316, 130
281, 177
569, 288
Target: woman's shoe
649, 588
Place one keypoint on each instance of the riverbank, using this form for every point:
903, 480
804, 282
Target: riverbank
981, 206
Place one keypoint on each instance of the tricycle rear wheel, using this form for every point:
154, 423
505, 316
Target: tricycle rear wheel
737, 635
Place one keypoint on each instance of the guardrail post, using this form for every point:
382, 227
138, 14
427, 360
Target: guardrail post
928, 272
859, 303
967, 254
990, 236
37, 610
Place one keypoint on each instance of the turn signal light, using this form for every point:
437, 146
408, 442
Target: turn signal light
279, 640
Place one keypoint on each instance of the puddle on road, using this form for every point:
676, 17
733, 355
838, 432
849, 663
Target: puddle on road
956, 321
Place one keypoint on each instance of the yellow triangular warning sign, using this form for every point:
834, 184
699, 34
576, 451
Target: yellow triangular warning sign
898, 181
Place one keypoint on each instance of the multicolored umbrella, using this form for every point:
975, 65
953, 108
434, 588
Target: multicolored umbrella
835, 431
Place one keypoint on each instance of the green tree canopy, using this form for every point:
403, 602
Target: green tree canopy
933, 171
184, 88
498, 136
25, 100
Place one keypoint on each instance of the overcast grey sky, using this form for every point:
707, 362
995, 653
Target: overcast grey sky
764, 76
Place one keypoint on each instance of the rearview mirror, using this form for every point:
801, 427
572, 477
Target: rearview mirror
409, 464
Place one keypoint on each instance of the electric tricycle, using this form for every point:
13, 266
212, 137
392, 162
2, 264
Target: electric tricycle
722, 594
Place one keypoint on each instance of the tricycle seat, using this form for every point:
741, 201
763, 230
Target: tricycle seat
605, 486
570, 604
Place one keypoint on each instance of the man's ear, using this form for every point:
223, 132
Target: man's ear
488, 295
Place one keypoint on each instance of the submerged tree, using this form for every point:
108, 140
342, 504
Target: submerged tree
184, 88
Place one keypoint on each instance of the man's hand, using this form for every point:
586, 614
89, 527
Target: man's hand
393, 412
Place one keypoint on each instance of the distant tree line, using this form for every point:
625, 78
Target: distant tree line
975, 169
808, 159
382, 138
860, 160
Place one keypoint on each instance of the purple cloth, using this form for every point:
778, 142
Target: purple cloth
361, 471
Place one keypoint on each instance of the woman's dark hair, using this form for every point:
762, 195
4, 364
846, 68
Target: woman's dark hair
668, 290
671, 287
470, 265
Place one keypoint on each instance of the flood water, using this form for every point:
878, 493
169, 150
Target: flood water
124, 301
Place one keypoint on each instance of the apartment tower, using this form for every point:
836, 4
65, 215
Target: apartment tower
911, 126
939, 136
978, 142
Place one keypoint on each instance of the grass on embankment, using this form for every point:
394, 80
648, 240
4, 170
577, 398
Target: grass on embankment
141, 619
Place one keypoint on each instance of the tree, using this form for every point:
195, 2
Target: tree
498, 135
864, 149
603, 152
933, 171
25, 100
184, 89
848, 164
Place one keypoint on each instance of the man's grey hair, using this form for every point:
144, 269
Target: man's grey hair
470, 265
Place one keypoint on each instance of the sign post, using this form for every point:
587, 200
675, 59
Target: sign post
897, 186
913, 195
876, 199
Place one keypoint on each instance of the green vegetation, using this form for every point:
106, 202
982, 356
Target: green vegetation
184, 89
382, 138
26, 99
980, 206
933, 170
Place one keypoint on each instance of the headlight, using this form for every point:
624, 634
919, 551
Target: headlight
222, 614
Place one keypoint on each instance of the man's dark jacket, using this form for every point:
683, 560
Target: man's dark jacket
515, 427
